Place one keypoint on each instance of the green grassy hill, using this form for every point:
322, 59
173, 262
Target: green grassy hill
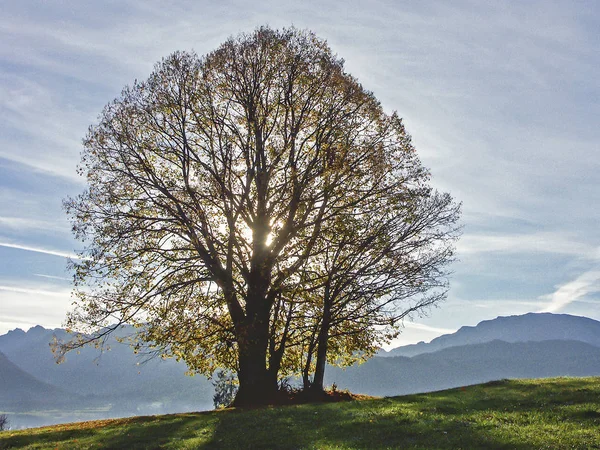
521, 414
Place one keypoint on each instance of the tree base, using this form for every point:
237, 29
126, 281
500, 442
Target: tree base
251, 397
299, 396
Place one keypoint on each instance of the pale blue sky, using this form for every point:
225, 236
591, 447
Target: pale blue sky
502, 100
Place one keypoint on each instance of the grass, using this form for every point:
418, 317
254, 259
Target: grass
558, 413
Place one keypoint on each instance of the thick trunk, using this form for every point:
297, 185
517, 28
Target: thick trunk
257, 384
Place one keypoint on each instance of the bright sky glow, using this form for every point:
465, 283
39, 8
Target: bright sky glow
502, 100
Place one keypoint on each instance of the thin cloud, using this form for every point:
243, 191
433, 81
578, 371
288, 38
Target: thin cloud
420, 326
20, 223
524, 243
494, 304
26, 307
504, 303
58, 129
40, 250
51, 277
44, 292
585, 284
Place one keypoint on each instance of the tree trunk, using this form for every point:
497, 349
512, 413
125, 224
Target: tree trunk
306, 372
323, 339
309, 354
321, 360
257, 385
275, 358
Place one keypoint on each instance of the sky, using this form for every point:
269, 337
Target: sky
502, 100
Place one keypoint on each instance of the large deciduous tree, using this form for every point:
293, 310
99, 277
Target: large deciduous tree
255, 209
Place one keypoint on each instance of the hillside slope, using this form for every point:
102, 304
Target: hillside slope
556, 413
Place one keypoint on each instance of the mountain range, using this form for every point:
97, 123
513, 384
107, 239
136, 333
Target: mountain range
119, 383
468, 364
524, 328
116, 375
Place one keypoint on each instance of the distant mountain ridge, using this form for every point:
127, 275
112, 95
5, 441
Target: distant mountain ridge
468, 364
118, 376
534, 327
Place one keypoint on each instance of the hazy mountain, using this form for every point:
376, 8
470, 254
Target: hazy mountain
528, 327
118, 376
19, 390
469, 364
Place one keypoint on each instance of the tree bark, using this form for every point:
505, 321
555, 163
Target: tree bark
306, 372
322, 342
321, 361
257, 385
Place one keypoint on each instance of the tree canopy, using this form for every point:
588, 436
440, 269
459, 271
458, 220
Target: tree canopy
256, 210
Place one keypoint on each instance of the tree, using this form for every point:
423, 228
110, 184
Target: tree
4, 422
225, 389
390, 270
213, 188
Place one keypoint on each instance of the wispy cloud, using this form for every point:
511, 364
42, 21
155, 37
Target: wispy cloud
52, 277
499, 98
585, 284
496, 304
53, 129
20, 223
43, 304
39, 250
422, 327
541, 242
44, 292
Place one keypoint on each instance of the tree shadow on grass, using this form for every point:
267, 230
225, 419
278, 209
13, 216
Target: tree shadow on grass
150, 432
352, 426
446, 419
8, 440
